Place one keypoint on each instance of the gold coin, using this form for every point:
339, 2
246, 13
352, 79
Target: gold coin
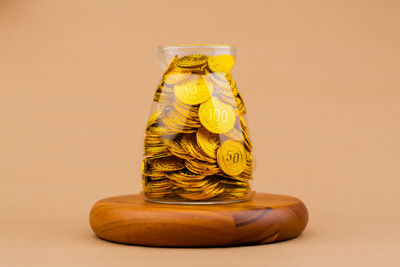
221, 63
185, 177
194, 91
247, 142
176, 148
190, 113
153, 143
208, 142
232, 158
170, 163
153, 118
171, 65
239, 184
201, 167
216, 116
240, 105
158, 189
176, 75
181, 120
164, 93
236, 193
243, 124
159, 185
208, 190
190, 145
191, 61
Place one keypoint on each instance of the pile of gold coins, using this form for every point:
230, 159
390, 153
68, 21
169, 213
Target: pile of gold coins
197, 146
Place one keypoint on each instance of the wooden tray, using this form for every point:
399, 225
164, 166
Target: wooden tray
265, 219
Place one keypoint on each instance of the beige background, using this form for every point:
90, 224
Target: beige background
321, 81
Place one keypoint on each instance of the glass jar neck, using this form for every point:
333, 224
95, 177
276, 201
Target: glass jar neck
166, 53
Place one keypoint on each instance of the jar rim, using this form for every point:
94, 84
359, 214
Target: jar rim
185, 46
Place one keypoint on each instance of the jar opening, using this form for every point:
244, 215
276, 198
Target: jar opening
167, 52
196, 46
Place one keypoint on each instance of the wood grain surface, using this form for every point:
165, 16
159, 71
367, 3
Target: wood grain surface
266, 218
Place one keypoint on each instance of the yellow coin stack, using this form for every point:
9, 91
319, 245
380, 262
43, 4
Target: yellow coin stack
197, 146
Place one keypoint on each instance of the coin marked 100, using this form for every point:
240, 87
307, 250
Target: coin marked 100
216, 116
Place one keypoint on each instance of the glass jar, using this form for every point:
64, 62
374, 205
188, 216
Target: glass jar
197, 148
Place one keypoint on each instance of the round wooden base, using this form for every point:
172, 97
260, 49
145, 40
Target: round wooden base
264, 219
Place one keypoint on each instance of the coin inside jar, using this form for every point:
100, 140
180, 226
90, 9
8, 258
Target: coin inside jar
231, 157
191, 61
194, 90
216, 116
221, 63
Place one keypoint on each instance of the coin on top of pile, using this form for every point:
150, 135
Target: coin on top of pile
221, 63
191, 61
